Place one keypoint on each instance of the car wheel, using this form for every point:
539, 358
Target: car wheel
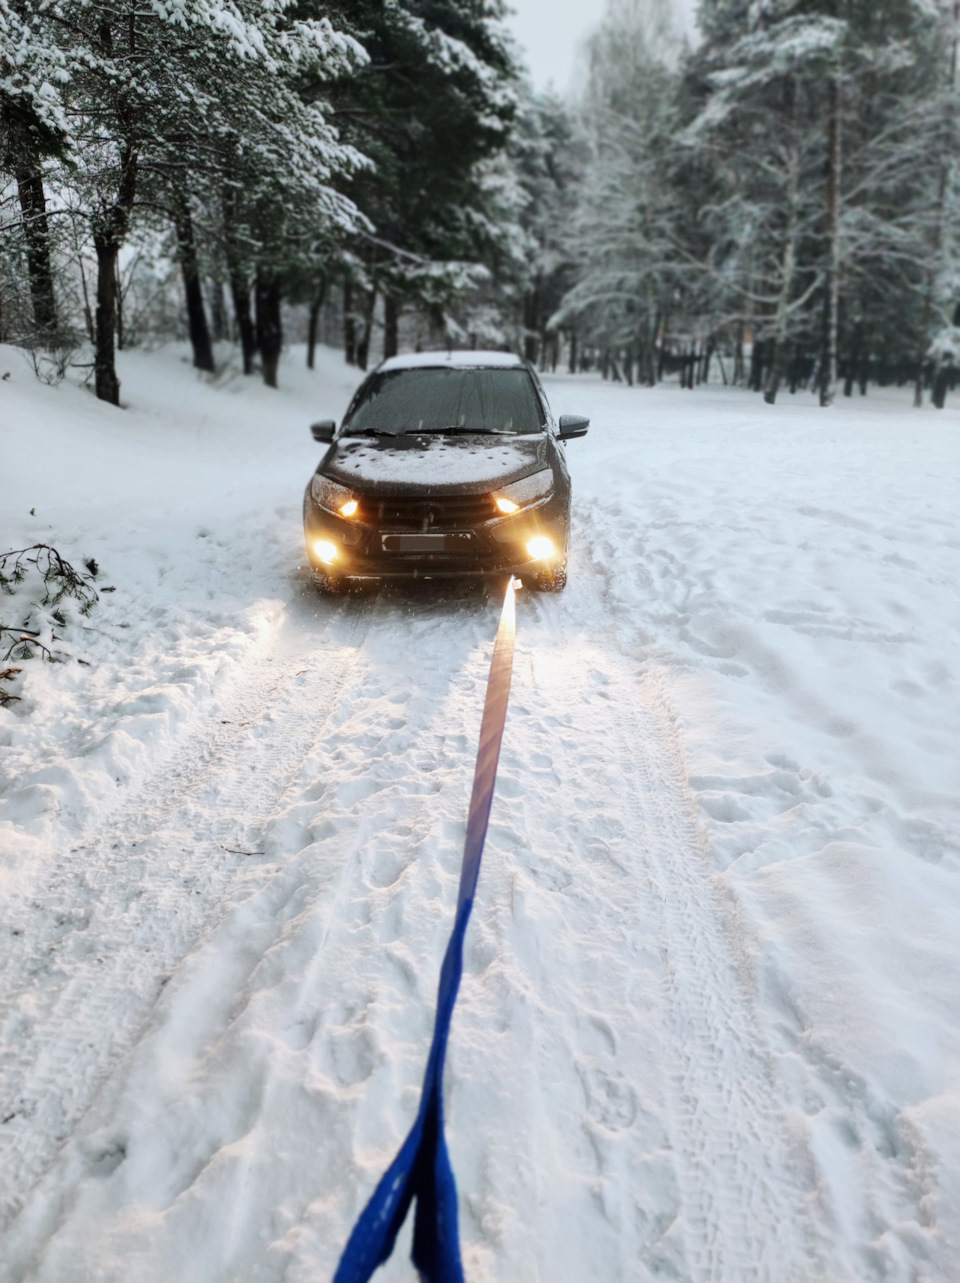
552, 580
328, 585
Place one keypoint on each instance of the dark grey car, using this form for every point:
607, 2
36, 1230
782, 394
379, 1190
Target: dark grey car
444, 465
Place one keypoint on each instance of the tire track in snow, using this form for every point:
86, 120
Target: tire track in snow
740, 1176
745, 1176
329, 939
125, 906
647, 1135
872, 1174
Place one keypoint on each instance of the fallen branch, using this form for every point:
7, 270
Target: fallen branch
7, 675
24, 642
60, 579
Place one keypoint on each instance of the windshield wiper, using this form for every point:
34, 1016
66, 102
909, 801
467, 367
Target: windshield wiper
371, 432
457, 427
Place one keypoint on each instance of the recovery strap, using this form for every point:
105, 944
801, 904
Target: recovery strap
422, 1170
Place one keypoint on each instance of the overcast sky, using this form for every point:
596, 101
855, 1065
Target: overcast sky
552, 30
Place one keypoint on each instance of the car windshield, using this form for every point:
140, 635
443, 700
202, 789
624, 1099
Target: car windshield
444, 400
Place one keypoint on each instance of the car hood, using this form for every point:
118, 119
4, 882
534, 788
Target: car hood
467, 464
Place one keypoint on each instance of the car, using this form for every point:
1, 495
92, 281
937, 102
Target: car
447, 464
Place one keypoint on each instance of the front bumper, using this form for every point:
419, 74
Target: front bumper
494, 547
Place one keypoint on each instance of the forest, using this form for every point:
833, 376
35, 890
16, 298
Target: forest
772, 203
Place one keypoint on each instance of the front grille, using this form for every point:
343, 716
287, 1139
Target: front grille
406, 512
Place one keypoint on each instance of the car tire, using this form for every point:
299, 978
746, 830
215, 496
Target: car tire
326, 584
553, 580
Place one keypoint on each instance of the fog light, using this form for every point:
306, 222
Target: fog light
540, 548
326, 551
507, 505
349, 509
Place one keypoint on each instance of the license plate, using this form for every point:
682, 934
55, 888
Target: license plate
427, 543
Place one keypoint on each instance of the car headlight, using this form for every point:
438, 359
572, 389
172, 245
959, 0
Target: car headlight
525, 491
541, 548
332, 496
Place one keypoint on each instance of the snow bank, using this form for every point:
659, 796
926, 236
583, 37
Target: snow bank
168, 496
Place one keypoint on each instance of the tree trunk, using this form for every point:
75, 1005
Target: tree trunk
104, 362
757, 354
795, 369
36, 228
366, 333
942, 381
87, 310
315, 306
391, 326
109, 232
780, 358
650, 351
572, 363
218, 311
707, 358
531, 316
196, 313
937, 232
349, 324
831, 317
852, 363
239, 280
269, 327
665, 342
121, 334
240, 294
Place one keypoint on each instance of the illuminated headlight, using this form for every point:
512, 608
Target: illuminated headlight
328, 494
526, 491
541, 548
325, 551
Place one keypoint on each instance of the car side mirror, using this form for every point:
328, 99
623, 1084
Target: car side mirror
324, 430
573, 425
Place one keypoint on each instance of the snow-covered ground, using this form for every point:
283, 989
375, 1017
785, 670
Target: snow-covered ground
710, 1021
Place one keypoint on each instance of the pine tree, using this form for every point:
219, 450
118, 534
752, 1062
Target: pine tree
433, 104
33, 129
629, 224
166, 99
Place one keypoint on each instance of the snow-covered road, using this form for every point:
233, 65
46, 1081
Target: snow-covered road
710, 1021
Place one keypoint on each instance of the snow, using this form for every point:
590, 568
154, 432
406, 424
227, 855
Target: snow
473, 461
473, 360
710, 1020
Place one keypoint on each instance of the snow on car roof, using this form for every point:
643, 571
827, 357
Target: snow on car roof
458, 360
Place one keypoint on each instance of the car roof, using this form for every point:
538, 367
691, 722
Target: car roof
453, 360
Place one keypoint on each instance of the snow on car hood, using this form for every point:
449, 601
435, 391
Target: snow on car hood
435, 463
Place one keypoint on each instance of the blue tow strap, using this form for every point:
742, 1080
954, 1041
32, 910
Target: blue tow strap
422, 1169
